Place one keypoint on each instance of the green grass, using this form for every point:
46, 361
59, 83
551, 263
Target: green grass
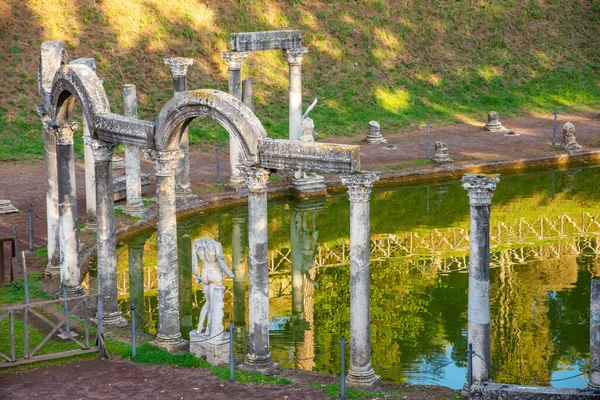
216, 186
43, 252
54, 345
120, 213
422, 161
148, 202
148, 354
334, 391
15, 291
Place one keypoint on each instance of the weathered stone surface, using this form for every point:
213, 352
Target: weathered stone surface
503, 391
569, 142
120, 186
267, 40
52, 55
6, 207
323, 158
374, 136
118, 163
119, 129
179, 65
216, 354
493, 124
480, 187
52, 216
441, 155
133, 192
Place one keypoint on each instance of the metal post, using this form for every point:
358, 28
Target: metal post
30, 229
469, 370
25, 280
218, 163
16, 242
67, 326
554, 129
428, 142
25, 311
1, 262
231, 366
343, 373
100, 315
133, 338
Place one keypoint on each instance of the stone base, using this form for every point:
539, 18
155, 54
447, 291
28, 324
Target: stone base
172, 345
137, 210
494, 128
266, 368
71, 292
214, 351
52, 271
573, 150
593, 387
366, 380
313, 185
375, 140
490, 390
441, 160
114, 319
6, 207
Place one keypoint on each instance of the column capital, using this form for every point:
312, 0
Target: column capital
255, 178
480, 188
295, 55
165, 162
179, 65
360, 185
64, 133
234, 59
102, 151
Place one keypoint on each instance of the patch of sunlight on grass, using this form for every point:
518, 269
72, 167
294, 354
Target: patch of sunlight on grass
131, 20
58, 18
488, 73
392, 100
347, 19
270, 66
433, 79
309, 20
387, 48
268, 13
327, 46
199, 16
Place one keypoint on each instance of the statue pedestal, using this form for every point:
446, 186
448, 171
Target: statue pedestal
313, 184
214, 350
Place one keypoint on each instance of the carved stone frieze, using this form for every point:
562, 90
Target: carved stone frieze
295, 55
360, 185
234, 59
64, 133
179, 65
255, 178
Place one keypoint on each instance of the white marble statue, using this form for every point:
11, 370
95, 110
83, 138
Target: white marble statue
308, 135
210, 253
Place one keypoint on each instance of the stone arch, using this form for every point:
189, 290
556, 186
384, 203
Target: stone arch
77, 82
231, 113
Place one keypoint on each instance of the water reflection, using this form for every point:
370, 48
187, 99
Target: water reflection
545, 249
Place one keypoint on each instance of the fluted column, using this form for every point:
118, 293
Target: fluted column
480, 189
238, 266
133, 173
360, 372
169, 333
234, 65
179, 67
106, 236
67, 208
259, 357
52, 214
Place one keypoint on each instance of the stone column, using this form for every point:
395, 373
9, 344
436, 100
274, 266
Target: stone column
360, 372
480, 188
133, 178
52, 218
594, 383
169, 334
259, 357
106, 236
238, 258
234, 65
248, 92
296, 243
179, 67
67, 208
295, 91
136, 271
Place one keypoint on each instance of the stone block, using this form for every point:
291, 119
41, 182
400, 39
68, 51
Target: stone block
214, 351
120, 186
267, 40
6, 207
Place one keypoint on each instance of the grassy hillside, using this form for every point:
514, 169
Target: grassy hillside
400, 62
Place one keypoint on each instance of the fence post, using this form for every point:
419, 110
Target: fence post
16, 254
218, 163
1, 262
554, 129
469, 370
30, 229
428, 142
133, 338
67, 325
343, 373
231, 361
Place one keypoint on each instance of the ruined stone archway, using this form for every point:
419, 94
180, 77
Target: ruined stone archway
231, 113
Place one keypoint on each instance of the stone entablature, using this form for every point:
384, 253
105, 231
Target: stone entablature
267, 40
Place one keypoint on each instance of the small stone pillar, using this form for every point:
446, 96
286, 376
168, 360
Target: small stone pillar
480, 188
238, 266
179, 67
258, 357
67, 208
493, 123
106, 236
441, 155
169, 334
248, 92
569, 142
133, 179
374, 135
52, 214
594, 382
359, 190
234, 65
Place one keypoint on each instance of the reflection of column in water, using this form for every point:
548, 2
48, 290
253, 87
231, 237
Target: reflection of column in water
238, 258
427, 197
184, 257
552, 185
136, 271
296, 242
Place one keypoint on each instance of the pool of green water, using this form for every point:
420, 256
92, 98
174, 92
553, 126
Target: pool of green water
545, 250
